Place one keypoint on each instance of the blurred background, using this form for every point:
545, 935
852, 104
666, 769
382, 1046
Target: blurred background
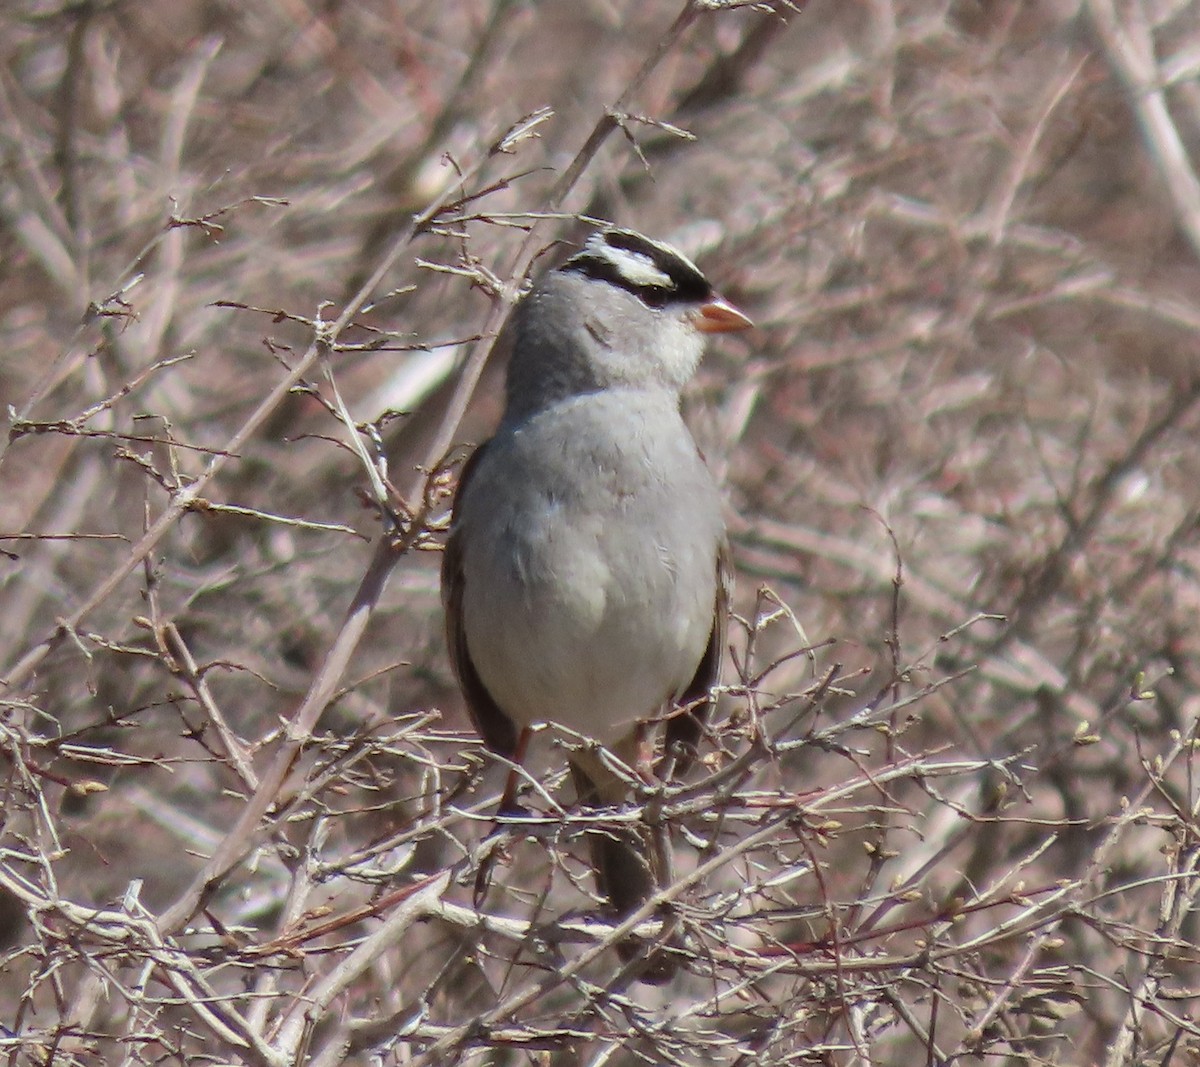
951, 811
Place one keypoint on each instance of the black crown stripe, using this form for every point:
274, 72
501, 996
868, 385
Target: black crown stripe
688, 285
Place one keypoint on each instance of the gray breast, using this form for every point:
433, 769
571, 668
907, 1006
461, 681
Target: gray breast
590, 581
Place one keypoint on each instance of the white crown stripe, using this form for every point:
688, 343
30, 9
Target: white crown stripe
666, 250
655, 273
635, 268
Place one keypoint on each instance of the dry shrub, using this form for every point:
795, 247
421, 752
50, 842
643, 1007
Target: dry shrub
253, 259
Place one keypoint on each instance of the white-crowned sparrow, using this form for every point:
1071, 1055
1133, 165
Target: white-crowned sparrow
585, 576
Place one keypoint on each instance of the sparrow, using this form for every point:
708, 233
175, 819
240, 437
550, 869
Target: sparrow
586, 576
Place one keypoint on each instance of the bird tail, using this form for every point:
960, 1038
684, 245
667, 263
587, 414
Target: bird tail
629, 870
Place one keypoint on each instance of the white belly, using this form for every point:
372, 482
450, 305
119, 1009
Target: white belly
590, 581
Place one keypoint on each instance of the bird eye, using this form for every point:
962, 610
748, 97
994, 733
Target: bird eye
655, 296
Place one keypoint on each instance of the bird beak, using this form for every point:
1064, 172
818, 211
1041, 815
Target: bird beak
718, 315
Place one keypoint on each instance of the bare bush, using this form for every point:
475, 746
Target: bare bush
254, 263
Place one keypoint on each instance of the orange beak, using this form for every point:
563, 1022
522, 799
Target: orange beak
718, 315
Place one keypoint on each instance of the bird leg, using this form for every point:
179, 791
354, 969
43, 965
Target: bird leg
508, 799
508, 807
643, 763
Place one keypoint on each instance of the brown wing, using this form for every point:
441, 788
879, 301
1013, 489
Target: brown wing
497, 729
683, 731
